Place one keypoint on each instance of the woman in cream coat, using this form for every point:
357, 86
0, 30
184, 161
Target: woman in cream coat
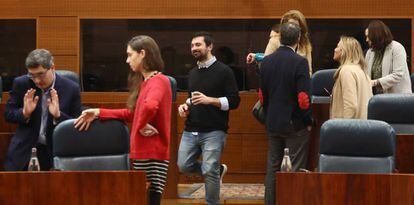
386, 60
304, 48
352, 88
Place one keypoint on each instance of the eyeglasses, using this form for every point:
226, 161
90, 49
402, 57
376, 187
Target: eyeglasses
37, 75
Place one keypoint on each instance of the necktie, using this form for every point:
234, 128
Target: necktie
43, 122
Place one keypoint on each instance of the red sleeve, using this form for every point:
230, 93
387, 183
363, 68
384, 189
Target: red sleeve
303, 100
260, 96
119, 114
151, 103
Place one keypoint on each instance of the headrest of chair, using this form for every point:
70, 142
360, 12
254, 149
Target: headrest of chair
173, 87
69, 75
352, 137
322, 79
392, 108
331, 163
102, 138
412, 83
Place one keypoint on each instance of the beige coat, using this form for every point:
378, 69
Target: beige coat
351, 93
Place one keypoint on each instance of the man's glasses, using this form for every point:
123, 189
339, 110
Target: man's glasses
37, 75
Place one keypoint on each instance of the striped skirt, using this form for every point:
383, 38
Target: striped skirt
156, 171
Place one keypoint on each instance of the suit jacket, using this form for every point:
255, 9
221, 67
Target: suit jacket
395, 76
285, 84
27, 132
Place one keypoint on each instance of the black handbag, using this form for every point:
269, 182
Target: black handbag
258, 112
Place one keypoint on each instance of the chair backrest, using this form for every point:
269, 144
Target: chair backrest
69, 75
173, 87
357, 146
321, 80
412, 83
105, 146
395, 109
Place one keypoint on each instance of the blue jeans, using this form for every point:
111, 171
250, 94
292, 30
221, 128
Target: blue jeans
210, 146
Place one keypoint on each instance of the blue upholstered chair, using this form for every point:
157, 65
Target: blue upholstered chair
173, 87
412, 83
69, 75
321, 80
395, 109
105, 146
357, 146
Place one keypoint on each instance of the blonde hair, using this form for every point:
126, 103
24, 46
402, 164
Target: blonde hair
304, 42
351, 52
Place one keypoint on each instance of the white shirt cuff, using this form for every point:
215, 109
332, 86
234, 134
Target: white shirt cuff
188, 101
224, 103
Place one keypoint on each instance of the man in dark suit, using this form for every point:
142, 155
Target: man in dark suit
285, 84
38, 101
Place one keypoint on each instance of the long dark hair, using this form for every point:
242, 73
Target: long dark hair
151, 62
379, 34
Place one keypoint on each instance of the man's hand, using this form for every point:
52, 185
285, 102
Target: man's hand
29, 102
148, 130
183, 110
83, 122
250, 58
198, 98
53, 104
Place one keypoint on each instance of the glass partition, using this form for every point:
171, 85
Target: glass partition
17, 38
103, 45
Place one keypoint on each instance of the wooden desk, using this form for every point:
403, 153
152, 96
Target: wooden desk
80, 188
344, 189
405, 153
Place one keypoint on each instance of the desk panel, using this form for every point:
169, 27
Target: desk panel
344, 189
42, 188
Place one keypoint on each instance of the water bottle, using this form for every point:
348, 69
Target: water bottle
286, 163
34, 161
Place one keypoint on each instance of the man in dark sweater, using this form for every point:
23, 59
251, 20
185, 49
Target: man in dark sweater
212, 93
285, 84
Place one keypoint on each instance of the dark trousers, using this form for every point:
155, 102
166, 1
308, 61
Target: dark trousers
44, 154
298, 144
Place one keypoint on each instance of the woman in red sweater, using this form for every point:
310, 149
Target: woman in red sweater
149, 110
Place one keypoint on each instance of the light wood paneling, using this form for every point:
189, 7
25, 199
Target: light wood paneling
67, 62
215, 8
107, 97
59, 35
59, 30
254, 153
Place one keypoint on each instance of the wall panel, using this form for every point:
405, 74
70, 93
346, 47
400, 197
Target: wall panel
60, 35
59, 30
214, 8
67, 62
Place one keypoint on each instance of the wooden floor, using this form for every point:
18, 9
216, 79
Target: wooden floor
182, 187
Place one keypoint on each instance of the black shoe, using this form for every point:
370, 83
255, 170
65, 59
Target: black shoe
223, 171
